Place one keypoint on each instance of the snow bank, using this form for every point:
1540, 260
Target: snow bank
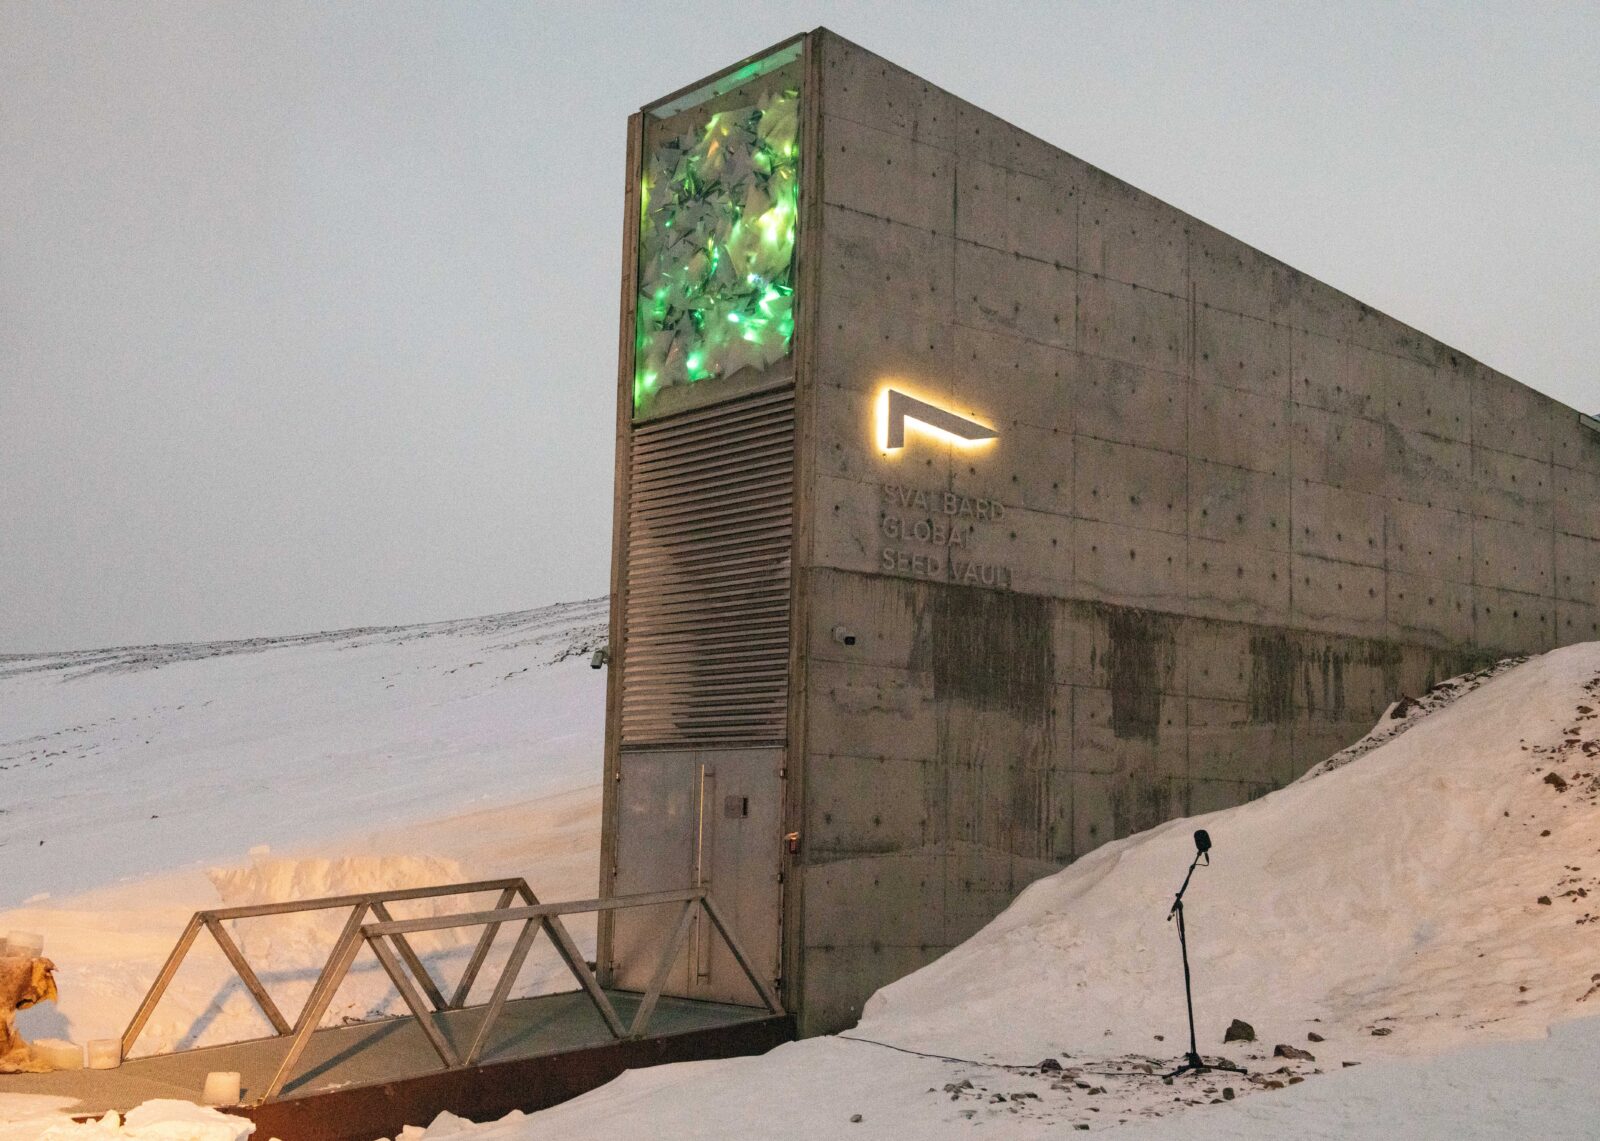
162, 1119
23, 1117
304, 938
833, 1088
1408, 711
267, 879
1397, 894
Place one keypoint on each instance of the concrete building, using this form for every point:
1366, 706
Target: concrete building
871, 676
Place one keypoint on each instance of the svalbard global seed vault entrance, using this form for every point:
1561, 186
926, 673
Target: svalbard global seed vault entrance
975, 508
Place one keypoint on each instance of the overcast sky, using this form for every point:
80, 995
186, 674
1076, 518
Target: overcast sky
308, 313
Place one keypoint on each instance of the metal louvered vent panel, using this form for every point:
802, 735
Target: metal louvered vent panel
706, 632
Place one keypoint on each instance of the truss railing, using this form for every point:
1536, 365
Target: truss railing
358, 904
547, 916
387, 938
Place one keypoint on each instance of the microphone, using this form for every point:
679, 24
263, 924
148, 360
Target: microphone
1193, 1063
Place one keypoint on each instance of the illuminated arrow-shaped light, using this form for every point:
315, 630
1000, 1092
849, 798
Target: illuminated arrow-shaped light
900, 408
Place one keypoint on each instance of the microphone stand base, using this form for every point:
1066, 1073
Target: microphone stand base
1194, 1064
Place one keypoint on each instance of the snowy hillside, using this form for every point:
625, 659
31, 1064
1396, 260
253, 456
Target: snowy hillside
1438, 893
1399, 893
121, 762
143, 784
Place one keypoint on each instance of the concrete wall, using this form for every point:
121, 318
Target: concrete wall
1240, 513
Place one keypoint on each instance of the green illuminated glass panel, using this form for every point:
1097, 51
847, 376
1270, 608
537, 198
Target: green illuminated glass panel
719, 201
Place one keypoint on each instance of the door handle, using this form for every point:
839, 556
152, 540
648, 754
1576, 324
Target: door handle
703, 872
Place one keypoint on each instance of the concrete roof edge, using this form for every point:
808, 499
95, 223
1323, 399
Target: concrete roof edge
1364, 306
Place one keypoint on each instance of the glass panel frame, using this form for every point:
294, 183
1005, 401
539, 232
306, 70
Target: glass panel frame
719, 204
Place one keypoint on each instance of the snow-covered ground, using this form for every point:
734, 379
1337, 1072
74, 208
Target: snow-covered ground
1424, 907
1413, 921
144, 784
827, 1088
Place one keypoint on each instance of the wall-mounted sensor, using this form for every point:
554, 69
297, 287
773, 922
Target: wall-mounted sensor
599, 658
843, 636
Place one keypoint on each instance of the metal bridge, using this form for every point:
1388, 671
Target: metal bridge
355, 1082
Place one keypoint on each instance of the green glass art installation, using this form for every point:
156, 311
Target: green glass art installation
718, 211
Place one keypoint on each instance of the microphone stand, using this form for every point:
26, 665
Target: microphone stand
1192, 1062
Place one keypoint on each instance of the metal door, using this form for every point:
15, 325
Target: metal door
658, 820
700, 818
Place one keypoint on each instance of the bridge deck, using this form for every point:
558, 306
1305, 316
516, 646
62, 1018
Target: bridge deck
369, 1079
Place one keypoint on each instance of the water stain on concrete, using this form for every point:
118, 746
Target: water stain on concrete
989, 648
1139, 802
1271, 692
1141, 653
